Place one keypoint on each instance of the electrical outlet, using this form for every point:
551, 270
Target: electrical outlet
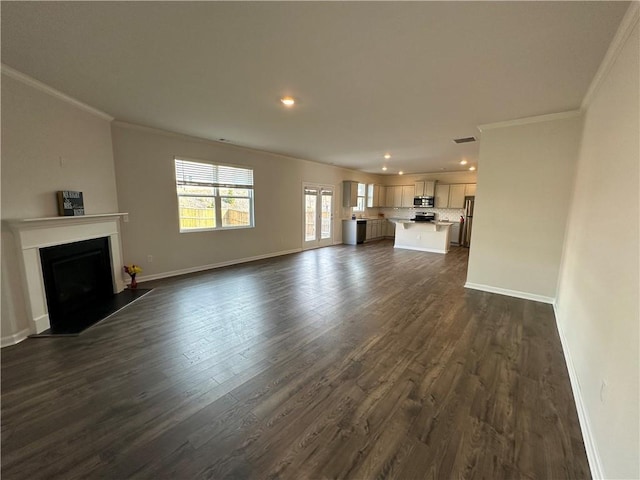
419, 237
149, 258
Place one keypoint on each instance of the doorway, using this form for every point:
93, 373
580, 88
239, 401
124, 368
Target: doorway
318, 215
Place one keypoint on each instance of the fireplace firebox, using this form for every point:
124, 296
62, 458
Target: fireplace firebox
77, 277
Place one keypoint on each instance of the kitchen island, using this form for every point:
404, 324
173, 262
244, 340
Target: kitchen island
423, 236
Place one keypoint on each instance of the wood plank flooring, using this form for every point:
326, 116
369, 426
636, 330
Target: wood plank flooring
343, 362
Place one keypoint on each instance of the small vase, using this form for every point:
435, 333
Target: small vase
133, 284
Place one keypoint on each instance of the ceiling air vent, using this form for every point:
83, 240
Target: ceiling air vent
464, 140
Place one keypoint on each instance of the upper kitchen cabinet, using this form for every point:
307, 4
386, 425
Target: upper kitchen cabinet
452, 196
387, 196
382, 198
424, 189
349, 193
393, 196
442, 196
470, 190
397, 196
407, 196
456, 195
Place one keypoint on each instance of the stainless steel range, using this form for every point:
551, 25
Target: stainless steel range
424, 217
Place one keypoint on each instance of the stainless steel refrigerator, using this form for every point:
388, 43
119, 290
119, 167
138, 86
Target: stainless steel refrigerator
468, 221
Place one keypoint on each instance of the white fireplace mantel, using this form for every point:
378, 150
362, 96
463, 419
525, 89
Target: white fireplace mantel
32, 234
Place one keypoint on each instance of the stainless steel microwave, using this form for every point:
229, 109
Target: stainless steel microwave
424, 202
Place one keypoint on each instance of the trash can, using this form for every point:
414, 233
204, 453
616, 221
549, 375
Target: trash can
361, 233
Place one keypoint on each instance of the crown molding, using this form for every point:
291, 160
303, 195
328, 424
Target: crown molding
627, 25
528, 120
32, 82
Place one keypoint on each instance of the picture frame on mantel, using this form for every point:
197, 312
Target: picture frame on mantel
70, 203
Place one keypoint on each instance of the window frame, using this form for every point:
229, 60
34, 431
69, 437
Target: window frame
217, 196
361, 201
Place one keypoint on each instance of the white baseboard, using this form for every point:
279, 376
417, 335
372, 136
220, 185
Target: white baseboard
42, 323
15, 338
211, 266
510, 293
587, 435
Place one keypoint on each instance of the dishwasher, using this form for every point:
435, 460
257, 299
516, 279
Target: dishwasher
361, 231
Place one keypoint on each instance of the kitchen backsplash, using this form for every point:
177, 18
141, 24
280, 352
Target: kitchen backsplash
452, 214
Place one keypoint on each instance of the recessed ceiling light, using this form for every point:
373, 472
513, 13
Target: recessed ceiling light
400, 172
288, 101
463, 162
387, 156
472, 168
384, 169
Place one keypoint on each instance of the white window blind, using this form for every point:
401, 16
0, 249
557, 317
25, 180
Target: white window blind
205, 174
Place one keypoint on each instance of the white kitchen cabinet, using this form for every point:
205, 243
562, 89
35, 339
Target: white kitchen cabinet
424, 189
397, 196
349, 193
378, 196
470, 190
385, 197
382, 196
375, 229
456, 195
442, 196
407, 196
430, 189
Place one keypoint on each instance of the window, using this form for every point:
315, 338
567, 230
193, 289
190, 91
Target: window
213, 197
362, 198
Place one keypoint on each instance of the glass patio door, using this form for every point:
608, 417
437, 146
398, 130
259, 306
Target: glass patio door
318, 216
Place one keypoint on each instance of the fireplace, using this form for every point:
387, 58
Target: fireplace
34, 238
77, 276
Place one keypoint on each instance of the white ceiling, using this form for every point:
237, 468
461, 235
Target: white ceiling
371, 77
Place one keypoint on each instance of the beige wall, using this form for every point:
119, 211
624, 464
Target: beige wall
525, 182
144, 161
597, 305
48, 144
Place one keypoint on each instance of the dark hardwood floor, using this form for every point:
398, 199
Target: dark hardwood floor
344, 362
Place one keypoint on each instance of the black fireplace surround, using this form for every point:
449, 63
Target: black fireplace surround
77, 278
